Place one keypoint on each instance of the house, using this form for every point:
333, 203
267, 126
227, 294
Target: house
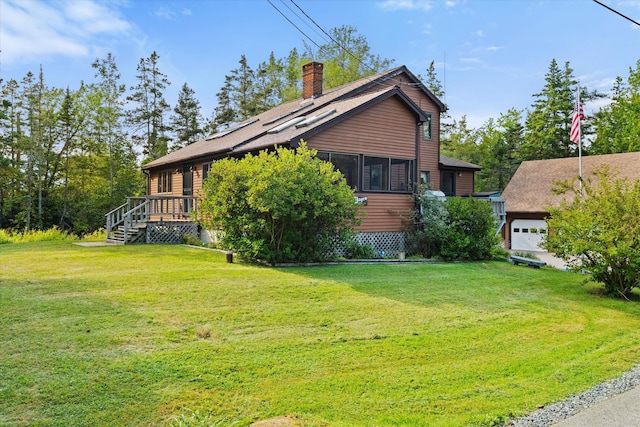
529, 193
382, 132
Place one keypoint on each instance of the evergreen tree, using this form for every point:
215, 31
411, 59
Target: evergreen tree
548, 125
225, 113
432, 82
618, 125
147, 117
186, 123
108, 114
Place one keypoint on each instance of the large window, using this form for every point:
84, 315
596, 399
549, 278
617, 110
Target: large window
347, 164
387, 174
375, 173
164, 181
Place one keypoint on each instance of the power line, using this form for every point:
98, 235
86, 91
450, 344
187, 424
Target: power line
616, 12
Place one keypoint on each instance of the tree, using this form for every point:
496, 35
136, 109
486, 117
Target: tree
499, 151
347, 57
147, 117
618, 125
186, 123
600, 231
108, 115
286, 205
432, 81
548, 125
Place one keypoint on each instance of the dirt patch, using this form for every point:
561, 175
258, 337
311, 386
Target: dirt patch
284, 421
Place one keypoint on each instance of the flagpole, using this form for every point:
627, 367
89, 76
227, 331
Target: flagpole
579, 143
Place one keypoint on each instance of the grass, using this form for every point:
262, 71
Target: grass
172, 335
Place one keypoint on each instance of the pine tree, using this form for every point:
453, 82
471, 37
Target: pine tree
186, 122
147, 118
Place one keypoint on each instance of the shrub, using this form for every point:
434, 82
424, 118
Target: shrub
285, 205
600, 232
355, 250
54, 233
455, 228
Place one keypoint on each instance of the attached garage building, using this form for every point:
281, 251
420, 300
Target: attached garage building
529, 194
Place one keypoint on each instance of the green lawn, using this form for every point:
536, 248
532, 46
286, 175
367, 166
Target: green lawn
136, 335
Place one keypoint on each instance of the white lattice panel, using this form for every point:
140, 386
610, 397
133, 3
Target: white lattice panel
170, 232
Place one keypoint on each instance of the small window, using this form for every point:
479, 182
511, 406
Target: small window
425, 177
164, 181
426, 128
543, 231
516, 230
525, 230
206, 167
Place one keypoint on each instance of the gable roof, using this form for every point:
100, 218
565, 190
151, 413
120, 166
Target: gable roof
530, 188
277, 126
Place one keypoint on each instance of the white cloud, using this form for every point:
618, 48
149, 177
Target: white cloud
478, 33
423, 5
471, 60
165, 13
32, 29
186, 12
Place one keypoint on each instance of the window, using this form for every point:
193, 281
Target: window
164, 181
376, 174
516, 230
426, 128
206, 167
386, 174
425, 177
401, 175
347, 164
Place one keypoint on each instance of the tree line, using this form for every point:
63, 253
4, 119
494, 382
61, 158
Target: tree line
69, 156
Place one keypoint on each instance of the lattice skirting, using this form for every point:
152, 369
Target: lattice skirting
383, 243
170, 232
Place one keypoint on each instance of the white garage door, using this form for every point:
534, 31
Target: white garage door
526, 234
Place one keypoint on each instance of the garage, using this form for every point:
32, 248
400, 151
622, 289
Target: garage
527, 234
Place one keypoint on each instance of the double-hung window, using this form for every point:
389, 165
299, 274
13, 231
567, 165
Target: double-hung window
164, 181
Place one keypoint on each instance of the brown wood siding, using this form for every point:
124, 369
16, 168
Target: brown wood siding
386, 129
464, 183
385, 212
429, 159
197, 178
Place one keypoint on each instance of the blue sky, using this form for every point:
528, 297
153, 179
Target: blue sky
492, 55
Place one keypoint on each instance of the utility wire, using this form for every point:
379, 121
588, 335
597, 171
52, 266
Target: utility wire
306, 23
616, 12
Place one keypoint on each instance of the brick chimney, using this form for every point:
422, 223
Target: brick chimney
312, 80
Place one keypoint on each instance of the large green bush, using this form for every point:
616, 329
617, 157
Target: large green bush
599, 231
284, 205
455, 228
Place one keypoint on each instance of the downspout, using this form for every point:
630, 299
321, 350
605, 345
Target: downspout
416, 166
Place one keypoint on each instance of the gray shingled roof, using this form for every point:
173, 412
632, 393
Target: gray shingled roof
450, 162
253, 134
530, 188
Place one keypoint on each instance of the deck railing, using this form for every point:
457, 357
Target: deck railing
140, 210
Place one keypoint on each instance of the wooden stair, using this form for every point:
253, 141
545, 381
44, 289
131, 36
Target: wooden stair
133, 235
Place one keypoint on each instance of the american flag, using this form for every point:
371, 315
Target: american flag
578, 115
